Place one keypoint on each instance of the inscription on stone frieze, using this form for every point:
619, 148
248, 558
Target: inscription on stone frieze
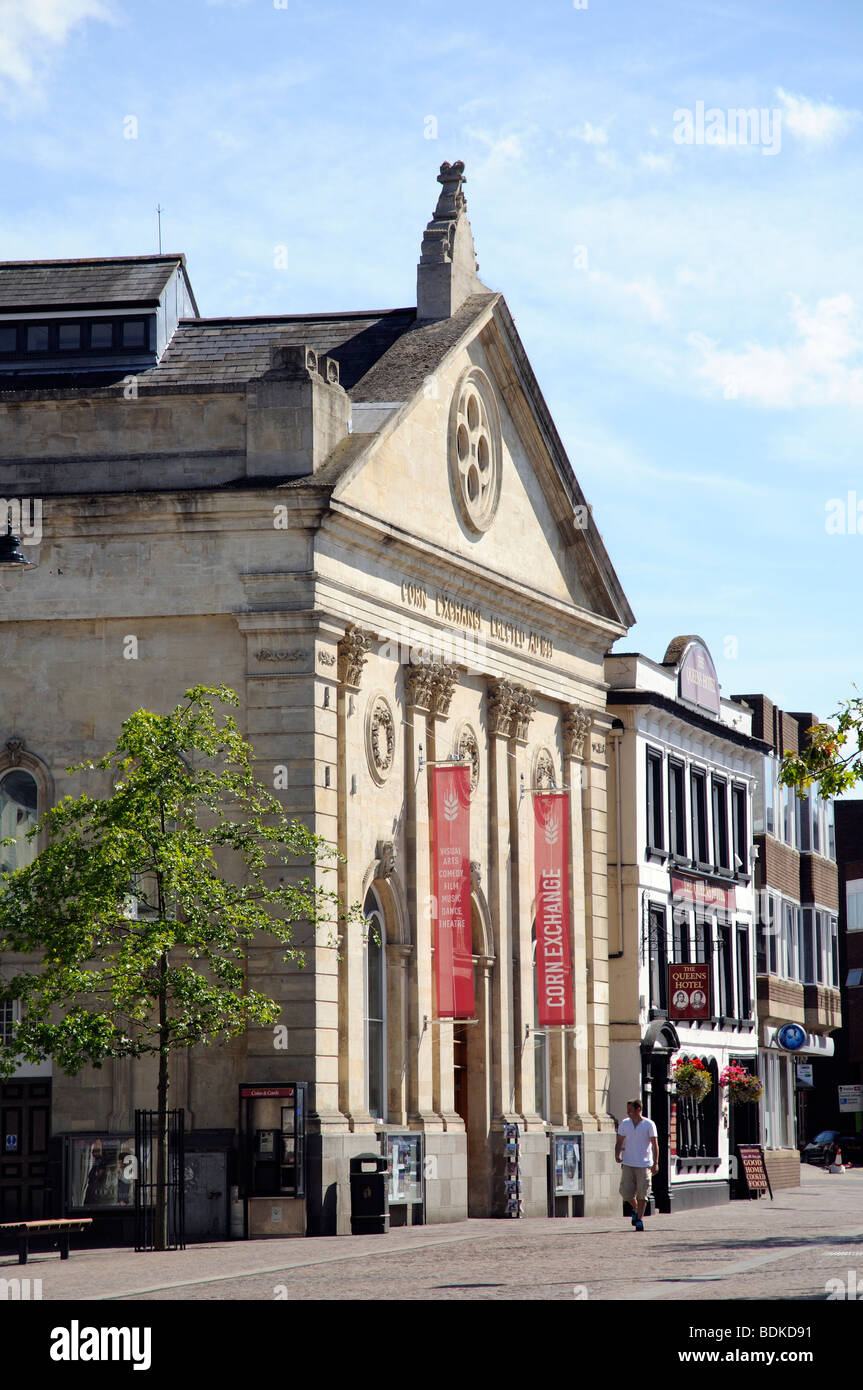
470, 617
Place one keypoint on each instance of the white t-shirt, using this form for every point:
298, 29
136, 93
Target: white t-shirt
637, 1150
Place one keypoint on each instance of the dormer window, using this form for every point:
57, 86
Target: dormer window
69, 337
38, 335
102, 334
134, 333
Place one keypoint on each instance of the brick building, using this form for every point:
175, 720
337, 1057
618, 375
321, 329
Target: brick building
798, 961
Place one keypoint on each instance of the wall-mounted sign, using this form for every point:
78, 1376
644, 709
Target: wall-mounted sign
804, 1074
689, 991
851, 1098
697, 681
695, 890
791, 1037
265, 1092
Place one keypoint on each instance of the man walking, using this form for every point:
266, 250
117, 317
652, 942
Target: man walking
637, 1150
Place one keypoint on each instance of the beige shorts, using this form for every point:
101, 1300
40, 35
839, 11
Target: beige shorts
634, 1182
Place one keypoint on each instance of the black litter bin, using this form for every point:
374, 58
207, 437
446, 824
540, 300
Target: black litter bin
370, 1206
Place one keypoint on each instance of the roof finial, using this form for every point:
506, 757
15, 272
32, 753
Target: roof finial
447, 272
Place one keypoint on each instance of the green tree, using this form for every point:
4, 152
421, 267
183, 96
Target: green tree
141, 938
833, 756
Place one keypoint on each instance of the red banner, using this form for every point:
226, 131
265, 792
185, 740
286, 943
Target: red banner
451, 888
551, 858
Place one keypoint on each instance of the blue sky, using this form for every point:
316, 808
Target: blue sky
692, 310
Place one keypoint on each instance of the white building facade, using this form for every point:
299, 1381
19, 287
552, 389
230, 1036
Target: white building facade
683, 766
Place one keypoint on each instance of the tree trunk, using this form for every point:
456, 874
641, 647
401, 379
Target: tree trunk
161, 1232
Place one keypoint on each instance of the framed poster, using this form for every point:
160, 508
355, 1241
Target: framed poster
101, 1171
568, 1165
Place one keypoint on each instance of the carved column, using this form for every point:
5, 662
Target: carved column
419, 733
595, 811
500, 710
521, 839
353, 650
442, 677
576, 729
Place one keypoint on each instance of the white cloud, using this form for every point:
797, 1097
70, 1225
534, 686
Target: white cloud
592, 135
816, 123
28, 27
643, 292
817, 369
656, 163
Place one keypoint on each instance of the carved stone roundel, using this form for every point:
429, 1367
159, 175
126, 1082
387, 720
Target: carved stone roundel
380, 738
475, 450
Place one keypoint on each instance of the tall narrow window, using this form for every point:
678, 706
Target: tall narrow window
698, 789
808, 947
834, 952
375, 1000
655, 828
676, 809
739, 830
18, 815
726, 973
720, 823
658, 957
790, 943
819, 948
744, 987
680, 932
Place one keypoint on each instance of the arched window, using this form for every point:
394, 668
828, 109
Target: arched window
375, 1007
540, 1045
18, 814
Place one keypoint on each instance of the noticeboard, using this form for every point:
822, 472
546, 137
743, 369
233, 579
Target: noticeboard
754, 1168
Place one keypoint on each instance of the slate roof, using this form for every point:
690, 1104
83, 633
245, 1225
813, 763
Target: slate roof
39, 286
234, 349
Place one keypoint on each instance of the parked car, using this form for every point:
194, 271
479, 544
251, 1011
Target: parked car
822, 1149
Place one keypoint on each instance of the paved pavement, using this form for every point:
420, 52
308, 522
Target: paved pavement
787, 1249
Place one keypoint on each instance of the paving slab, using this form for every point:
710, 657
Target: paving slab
789, 1248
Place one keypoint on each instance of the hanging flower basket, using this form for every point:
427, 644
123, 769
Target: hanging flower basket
742, 1087
692, 1079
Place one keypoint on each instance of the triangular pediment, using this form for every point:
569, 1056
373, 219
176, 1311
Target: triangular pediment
454, 446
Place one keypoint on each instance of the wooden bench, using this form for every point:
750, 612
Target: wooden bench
58, 1231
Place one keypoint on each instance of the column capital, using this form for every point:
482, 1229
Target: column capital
429, 686
510, 709
353, 651
398, 951
576, 728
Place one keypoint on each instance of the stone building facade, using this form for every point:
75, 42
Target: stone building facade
366, 525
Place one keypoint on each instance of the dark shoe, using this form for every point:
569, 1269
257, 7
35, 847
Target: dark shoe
639, 1225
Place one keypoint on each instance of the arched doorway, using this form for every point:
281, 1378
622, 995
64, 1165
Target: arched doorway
657, 1046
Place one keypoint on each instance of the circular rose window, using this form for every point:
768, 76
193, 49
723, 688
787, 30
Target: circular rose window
475, 469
